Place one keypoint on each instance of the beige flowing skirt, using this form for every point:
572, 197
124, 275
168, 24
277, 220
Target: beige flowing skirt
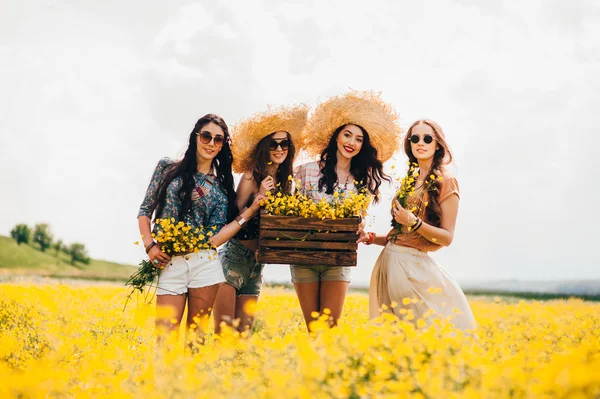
402, 272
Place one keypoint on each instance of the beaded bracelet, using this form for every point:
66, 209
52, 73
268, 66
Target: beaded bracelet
371, 238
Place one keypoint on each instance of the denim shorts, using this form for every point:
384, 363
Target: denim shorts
313, 274
193, 270
241, 269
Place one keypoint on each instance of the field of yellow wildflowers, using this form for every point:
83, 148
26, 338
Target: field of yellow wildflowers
59, 341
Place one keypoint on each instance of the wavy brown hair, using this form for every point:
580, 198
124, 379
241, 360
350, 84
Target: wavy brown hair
262, 157
441, 158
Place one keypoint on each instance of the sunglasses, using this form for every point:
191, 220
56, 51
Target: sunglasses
427, 139
284, 144
206, 138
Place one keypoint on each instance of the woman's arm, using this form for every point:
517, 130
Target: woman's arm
155, 252
442, 235
146, 211
231, 229
245, 189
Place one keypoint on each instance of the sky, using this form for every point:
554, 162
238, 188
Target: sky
95, 93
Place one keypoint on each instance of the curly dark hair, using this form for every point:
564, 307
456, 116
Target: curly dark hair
366, 168
186, 168
262, 157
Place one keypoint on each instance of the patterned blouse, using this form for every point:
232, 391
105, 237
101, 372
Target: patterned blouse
309, 175
209, 210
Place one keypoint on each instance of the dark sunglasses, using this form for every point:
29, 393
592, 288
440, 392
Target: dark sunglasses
427, 139
206, 138
284, 144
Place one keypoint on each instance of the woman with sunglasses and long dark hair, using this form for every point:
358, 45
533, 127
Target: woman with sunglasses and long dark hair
405, 275
264, 152
197, 190
353, 135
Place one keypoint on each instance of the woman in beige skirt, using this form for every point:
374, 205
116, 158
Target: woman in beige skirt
406, 281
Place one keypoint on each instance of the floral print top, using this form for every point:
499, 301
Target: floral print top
209, 210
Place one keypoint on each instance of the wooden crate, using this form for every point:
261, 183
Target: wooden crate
308, 241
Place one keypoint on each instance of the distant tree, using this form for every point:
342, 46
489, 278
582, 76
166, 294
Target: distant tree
78, 253
58, 246
21, 233
42, 236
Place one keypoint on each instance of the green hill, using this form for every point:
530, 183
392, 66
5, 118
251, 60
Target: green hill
28, 260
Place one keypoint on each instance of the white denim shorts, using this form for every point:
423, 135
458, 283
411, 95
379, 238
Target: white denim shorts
194, 270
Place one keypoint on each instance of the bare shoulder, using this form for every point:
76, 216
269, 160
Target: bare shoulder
248, 175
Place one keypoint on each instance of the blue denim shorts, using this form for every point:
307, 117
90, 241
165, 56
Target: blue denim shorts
241, 269
313, 274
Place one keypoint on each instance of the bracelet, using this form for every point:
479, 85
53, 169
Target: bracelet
371, 238
417, 220
149, 247
420, 223
240, 219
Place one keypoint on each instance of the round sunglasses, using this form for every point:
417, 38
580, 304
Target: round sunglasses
284, 144
206, 138
427, 138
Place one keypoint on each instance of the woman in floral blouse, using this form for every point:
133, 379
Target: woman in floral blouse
197, 190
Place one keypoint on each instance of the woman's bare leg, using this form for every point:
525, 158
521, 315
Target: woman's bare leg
333, 295
225, 306
308, 295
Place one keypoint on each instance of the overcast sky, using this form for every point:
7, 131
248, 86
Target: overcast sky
94, 93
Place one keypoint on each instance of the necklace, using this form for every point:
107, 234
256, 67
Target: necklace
342, 190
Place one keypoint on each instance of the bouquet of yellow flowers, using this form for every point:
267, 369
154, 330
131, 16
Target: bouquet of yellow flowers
174, 238
407, 190
343, 205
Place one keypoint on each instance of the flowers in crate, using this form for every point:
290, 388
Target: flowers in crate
342, 205
406, 195
174, 238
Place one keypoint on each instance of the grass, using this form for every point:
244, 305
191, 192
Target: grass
27, 259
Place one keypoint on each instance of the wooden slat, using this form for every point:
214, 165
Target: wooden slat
308, 235
318, 258
341, 246
270, 222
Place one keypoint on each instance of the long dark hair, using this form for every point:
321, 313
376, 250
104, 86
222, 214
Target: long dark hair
441, 157
186, 168
262, 157
366, 168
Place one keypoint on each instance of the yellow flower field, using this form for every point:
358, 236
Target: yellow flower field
59, 341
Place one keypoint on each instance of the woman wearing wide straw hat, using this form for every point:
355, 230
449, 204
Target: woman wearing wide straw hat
405, 275
263, 150
353, 135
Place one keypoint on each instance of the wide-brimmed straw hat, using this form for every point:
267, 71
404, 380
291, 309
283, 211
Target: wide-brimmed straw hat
363, 108
249, 132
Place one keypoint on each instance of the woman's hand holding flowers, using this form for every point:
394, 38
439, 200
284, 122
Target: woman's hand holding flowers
158, 257
402, 216
255, 207
268, 184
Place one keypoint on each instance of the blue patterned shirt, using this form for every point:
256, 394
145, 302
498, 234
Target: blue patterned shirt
210, 210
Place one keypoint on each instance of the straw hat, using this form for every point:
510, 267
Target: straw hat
363, 108
249, 132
